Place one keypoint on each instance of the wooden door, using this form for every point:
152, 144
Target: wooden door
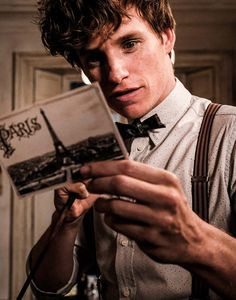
199, 82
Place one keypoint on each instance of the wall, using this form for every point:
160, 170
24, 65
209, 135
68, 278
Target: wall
204, 28
17, 34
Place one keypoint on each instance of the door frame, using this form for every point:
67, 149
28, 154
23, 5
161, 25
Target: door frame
25, 64
222, 66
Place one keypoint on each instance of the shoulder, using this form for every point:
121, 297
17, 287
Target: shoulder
199, 105
226, 117
224, 127
227, 111
224, 124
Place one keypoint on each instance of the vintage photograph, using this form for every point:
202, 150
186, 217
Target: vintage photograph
45, 145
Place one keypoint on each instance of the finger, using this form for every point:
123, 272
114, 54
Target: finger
135, 213
79, 188
131, 169
162, 232
79, 206
144, 192
122, 208
134, 231
61, 195
153, 240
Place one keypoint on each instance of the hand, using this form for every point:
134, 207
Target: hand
160, 221
82, 203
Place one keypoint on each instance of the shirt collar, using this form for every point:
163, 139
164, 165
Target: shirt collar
172, 106
170, 110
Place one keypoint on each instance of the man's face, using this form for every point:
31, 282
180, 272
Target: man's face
132, 66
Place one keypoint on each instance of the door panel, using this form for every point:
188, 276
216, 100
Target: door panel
198, 82
201, 83
47, 84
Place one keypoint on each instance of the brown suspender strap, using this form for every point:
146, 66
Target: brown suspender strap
200, 201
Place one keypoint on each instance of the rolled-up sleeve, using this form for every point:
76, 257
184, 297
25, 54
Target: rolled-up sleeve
63, 290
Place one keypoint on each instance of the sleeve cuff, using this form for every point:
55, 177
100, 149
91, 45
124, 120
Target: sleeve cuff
62, 291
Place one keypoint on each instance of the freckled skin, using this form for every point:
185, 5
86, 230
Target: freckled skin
134, 70
133, 58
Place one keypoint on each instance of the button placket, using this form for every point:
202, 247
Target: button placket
125, 292
124, 242
138, 146
124, 267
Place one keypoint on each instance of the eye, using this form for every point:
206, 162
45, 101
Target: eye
93, 60
130, 44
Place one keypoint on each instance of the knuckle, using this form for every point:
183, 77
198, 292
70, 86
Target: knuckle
113, 209
169, 222
117, 182
127, 166
59, 194
151, 235
172, 199
173, 195
174, 180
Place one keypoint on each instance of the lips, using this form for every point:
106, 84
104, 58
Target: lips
125, 94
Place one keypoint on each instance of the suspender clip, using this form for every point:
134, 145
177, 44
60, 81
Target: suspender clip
199, 179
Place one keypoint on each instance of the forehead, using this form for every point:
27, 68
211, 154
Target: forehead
134, 24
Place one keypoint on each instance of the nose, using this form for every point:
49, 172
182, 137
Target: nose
117, 69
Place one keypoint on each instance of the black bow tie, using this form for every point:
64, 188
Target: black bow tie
138, 128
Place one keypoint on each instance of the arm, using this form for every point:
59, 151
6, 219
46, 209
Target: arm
162, 223
56, 268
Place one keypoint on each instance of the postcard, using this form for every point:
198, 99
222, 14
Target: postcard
44, 146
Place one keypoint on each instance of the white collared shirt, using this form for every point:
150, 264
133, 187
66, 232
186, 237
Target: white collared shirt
128, 273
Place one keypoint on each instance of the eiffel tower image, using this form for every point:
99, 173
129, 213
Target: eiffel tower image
63, 155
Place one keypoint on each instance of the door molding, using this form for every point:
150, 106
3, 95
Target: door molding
221, 64
25, 65
23, 210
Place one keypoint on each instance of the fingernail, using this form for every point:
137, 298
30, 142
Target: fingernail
82, 190
85, 171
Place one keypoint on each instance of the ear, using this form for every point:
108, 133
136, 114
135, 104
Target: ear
168, 38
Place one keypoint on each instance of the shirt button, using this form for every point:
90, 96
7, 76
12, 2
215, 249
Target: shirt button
125, 292
124, 242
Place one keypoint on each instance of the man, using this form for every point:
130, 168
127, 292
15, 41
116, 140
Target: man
149, 247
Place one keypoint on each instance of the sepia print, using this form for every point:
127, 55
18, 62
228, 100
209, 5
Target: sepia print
45, 145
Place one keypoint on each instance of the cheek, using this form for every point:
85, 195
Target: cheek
148, 64
156, 73
93, 74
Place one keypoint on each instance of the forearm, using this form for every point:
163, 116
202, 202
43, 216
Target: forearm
215, 261
56, 268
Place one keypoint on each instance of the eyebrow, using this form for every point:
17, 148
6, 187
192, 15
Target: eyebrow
85, 51
128, 36
120, 40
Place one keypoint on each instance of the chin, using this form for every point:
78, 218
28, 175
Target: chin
134, 114
131, 112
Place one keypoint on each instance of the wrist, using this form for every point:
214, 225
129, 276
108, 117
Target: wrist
67, 222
